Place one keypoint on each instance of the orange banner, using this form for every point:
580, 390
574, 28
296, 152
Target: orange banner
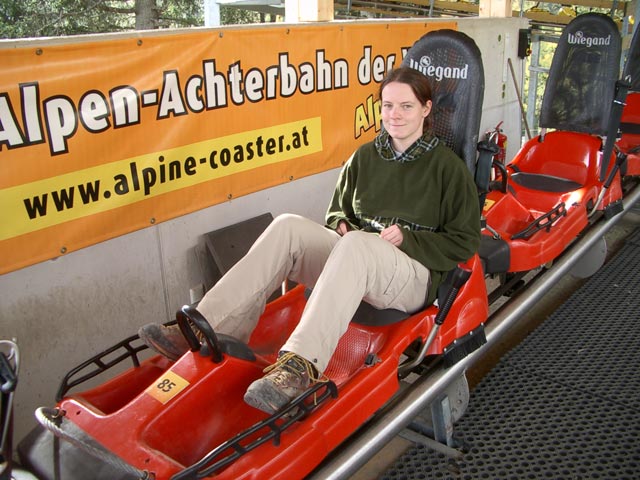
102, 138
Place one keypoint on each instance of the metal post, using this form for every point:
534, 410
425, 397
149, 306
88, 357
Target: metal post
211, 13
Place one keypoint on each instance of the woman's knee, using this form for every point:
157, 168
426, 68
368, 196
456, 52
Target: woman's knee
290, 221
295, 230
284, 223
358, 243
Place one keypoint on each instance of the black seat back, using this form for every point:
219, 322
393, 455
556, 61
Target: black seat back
453, 63
582, 78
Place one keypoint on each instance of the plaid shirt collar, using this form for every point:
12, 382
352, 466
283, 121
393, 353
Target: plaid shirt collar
427, 142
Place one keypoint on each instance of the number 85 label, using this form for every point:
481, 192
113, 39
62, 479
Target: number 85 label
167, 386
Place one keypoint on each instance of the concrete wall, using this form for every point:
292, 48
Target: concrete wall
63, 311
498, 41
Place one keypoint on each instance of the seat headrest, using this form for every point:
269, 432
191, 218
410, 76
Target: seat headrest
453, 63
583, 74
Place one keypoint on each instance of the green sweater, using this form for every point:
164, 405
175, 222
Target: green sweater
433, 197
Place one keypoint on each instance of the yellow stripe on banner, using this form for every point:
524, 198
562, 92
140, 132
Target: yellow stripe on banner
44, 203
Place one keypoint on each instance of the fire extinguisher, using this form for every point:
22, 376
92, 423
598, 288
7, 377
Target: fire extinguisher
500, 139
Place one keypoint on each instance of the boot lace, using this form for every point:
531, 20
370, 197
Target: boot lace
297, 365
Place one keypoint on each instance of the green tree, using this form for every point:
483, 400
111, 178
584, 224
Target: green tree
39, 18
234, 15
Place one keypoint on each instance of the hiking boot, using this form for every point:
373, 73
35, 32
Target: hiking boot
285, 380
166, 340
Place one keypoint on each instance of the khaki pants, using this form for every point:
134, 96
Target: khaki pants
341, 270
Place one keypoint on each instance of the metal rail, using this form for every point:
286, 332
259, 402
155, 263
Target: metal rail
393, 418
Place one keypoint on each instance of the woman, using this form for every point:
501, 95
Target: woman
404, 212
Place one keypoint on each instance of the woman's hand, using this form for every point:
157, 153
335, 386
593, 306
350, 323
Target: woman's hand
393, 235
343, 227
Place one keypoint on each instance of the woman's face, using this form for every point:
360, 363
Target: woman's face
402, 114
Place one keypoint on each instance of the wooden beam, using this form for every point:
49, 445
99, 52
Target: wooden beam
487, 8
495, 8
466, 7
386, 13
315, 10
547, 17
469, 7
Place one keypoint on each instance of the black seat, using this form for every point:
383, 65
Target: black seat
578, 95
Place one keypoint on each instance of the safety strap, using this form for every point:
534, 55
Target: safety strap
487, 150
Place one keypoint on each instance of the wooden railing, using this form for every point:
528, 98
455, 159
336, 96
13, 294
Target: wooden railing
462, 8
